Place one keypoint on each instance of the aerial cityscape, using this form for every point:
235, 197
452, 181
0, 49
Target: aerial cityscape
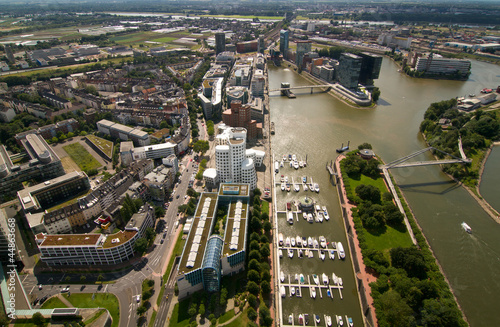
206, 163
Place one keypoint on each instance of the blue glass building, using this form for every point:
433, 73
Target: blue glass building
211, 267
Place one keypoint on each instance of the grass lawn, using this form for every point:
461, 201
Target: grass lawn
265, 207
108, 301
242, 320
390, 238
135, 37
180, 317
226, 316
81, 157
94, 317
379, 183
104, 145
53, 303
165, 39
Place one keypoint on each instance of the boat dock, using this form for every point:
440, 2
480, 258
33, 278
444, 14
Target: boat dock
309, 285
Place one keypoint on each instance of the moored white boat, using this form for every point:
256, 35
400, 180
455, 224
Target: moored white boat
276, 167
310, 218
301, 253
283, 186
282, 276
304, 187
311, 253
304, 179
282, 164
324, 277
322, 255
280, 239
292, 290
329, 293
294, 157
316, 319
295, 165
290, 221
282, 291
316, 187
298, 241
288, 188
284, 157
322, 241
325, 214
341, 250
331, 254
301, 279
301, 164
320, 216
301, 319
310, 242
340, 321
313, 292
304, 215
292, 241
315, 243
296, 187
287, 241
349, 321
335, 279
280, 252
328, 320
290, 319
290, 253
341, 282
315, 279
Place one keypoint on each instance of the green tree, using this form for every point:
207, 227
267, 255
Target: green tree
254, 265
368, 193
252, 314
38, 319
141, 245
267, 226
141, 310
150, 234
100, 278
201, 310
201, 146
252, 300
364, 146
375, 94
266, 287
253, 276
265, 316
394, 310
253, 288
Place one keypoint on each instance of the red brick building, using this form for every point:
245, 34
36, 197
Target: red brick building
240, 116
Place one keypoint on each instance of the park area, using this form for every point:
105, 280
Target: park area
82, 157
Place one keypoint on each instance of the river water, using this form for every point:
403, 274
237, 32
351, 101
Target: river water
316, 124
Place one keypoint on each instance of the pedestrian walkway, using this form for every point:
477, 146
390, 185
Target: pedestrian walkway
64, 300
364, 276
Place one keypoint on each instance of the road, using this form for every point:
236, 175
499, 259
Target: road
125, 284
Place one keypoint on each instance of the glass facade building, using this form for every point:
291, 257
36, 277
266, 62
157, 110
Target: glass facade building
211, 264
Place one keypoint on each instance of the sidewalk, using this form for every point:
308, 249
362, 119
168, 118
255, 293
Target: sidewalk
363, 275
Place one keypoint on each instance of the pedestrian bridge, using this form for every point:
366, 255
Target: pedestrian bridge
328, 86
402, 162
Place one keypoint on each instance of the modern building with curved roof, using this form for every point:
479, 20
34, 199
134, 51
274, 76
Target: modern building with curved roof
211, 267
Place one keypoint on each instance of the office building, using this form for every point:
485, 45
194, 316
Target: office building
303, 47
95, 249
240, 115
349, 70
45, 195
236, 93
220, 42
284, 41
207, 258
122, 132
258, 84
44, 164
370, 68
435, 64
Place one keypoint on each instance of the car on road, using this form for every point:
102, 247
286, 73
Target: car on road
40, 287
138, 298
64, 290
43, 299
161, 242
177, 196
164, 235
185, 196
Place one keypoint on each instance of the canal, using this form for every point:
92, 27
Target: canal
316, 124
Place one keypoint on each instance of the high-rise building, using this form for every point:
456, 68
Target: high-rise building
262, 44
370, 68
284, 40
349, 70
220, 42
303, 47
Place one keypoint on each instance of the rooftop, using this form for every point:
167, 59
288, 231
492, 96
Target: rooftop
234, 189
234, 238
118, 238
70, 240
194, 249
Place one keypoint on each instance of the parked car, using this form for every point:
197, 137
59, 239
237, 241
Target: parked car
138, 298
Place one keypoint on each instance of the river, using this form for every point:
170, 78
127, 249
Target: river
316, 124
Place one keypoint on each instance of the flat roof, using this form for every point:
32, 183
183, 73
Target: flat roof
106, 123
194, 249
47, 184
234, 189
234, 238
70, 239
118, 238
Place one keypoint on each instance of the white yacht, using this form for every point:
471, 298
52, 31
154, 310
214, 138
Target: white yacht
322, 241
331, 254
292, 241
276, 167
315, 279
310, 218
315, 243
310, 242
296, 187
301, 164
325, 279
294, 157
466, 227
283, 186
292, 291
282, 291
322, 255
325, 214
302, 281
280, 252
341, 250
290, 220
284, 157
320, 216
341, 282
313, 292
286, 179
311, 253
280, 239
304, 187
301, 253
304, 215
335, 279
328, 320
295, 165
287, 241
298, 241
316, 187
282, 164
282, 276
323, 208
340, 322
290, 319
290, 253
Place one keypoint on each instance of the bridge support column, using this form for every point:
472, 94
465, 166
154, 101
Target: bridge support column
311, 90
